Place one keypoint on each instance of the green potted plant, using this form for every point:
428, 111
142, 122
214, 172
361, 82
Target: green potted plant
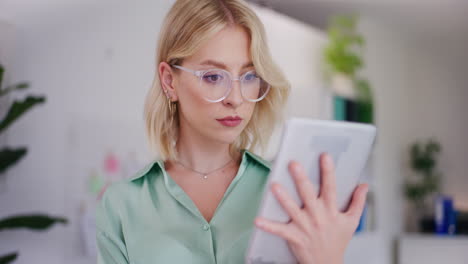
426, 180
10, 156
342, 60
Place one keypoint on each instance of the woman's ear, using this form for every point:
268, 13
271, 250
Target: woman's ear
167, 79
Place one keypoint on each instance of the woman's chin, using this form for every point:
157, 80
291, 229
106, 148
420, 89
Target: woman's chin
226, 138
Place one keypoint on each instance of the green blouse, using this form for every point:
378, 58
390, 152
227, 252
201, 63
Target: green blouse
149, 219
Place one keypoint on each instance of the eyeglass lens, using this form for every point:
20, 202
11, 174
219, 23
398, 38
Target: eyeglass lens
215, 84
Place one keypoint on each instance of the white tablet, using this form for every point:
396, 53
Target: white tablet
303, 140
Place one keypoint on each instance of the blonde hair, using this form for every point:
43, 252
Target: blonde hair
187, 25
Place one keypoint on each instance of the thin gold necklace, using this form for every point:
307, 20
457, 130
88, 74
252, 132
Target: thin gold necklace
204, 174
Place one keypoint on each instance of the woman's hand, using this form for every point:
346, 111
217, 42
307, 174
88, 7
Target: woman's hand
318, 232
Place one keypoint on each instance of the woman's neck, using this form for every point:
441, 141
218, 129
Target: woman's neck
202, 154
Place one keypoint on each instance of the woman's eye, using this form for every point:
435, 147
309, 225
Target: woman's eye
250, 77
213, 78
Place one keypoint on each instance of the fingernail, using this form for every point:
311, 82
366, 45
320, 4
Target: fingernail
297, 168
366, 188
328, 160
259, 223
277, 189
292, 165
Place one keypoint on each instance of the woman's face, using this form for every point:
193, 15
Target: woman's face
229, 50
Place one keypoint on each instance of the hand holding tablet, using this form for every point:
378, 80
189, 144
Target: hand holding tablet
317, 209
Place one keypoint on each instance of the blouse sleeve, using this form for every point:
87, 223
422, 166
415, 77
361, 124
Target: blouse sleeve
111, 248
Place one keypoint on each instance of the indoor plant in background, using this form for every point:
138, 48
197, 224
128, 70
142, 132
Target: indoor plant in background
352, 96
10, 156
342, 57
425, 181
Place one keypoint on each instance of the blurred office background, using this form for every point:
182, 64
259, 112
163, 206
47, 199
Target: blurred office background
94, 61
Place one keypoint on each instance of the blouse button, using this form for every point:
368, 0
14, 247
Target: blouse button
206, 227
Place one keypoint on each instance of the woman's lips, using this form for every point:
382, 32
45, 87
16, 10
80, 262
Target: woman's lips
230, 122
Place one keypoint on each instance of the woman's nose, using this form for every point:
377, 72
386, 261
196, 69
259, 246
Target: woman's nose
234, 97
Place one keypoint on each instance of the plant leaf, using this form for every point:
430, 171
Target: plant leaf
18, 86
8, 157
34, 222
8, 258
18, 108
2, 71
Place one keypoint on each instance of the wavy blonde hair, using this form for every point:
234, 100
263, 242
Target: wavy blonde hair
187, 25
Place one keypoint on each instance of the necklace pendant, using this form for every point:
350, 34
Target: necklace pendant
205, 177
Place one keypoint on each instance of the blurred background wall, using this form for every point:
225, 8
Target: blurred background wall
94, 61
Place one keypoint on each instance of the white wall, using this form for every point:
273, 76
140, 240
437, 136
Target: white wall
386, 56
95, 65
439, 98
7, 37
420, 88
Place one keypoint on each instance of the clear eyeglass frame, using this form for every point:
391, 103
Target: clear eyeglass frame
201, 73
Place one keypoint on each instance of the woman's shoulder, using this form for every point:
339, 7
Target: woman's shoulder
153, 167
125, 188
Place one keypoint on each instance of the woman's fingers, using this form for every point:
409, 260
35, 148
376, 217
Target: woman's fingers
304, 185
286, 201
285, 231
325, 229
358, 201
327, 181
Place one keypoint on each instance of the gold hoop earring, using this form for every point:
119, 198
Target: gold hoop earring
172, 108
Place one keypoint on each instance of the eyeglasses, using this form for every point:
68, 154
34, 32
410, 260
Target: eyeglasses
216, 84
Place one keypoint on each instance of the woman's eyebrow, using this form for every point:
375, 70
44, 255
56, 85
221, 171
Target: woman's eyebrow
222, 65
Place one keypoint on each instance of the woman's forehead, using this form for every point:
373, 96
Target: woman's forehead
227, 49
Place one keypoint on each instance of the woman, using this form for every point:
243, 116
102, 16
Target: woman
216, 94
